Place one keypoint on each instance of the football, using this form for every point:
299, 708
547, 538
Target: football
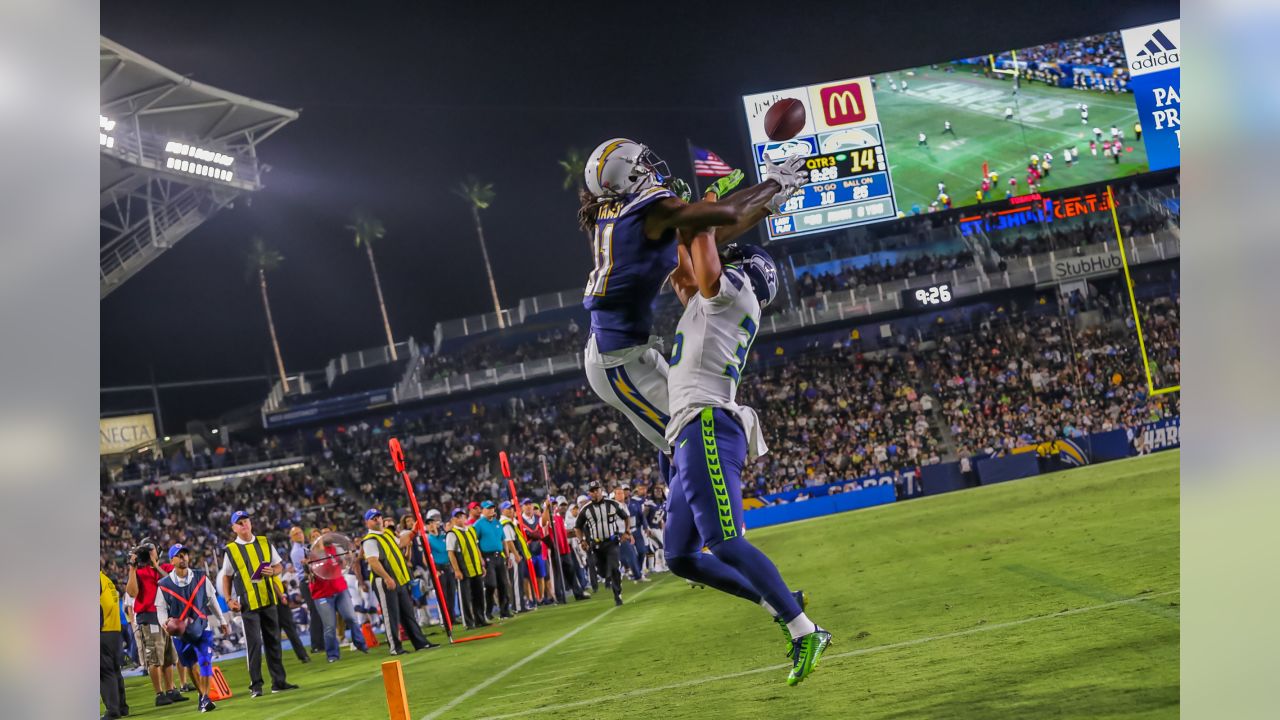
175, 626
784, 119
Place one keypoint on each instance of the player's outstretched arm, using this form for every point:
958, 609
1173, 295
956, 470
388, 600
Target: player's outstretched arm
682, 280
780, 181
706, 263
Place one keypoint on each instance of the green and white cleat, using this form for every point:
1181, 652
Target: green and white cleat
802, 598
805, 653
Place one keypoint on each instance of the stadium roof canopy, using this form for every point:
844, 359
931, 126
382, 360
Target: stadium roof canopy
173, 153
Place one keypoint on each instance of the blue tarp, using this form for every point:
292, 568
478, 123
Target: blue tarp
814, 507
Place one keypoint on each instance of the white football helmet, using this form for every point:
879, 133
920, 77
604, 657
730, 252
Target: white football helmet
623, 167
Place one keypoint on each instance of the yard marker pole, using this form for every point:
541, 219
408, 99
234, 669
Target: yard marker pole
397, 698
397, 456
557, 570
519, 525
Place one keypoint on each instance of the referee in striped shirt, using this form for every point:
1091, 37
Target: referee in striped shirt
599, 524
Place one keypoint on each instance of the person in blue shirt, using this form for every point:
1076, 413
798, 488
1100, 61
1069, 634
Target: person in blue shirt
497, 577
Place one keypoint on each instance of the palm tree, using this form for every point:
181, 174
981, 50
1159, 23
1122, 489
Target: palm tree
479, 195
262, 260
367, 229
574, 164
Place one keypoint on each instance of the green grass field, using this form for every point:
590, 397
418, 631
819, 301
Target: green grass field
1046, 119
1051, 597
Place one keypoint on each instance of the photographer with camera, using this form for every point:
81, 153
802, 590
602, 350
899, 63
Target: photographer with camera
155, 649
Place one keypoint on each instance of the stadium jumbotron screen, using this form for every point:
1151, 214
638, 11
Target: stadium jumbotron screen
979, 129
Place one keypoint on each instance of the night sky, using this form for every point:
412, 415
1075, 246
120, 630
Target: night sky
399, 104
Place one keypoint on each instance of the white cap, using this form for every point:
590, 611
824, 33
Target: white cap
583, 500
433, 515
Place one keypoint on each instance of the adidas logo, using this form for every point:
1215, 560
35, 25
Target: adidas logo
1156, 51
1158, 40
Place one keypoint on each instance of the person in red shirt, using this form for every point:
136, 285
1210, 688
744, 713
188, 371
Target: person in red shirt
333, 600
568, 560
155, 649
473, 512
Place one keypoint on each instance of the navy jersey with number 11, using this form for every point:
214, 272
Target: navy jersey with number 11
629, 271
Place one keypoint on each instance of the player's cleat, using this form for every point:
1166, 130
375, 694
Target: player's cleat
805, 653
802, 598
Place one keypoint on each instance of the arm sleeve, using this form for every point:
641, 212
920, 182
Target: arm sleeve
451, 542
370, 548
214, 608
275, 557
298, 557
228, 567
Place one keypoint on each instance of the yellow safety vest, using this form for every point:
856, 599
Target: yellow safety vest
246, 559
392, 558
109, 603
468, 550
524, 547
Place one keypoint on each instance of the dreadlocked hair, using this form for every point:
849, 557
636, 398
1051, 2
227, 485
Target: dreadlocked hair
590, 206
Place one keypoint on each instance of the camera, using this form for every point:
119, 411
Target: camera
142, 554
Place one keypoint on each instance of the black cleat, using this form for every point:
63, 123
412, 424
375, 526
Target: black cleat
283, 687
176, 696
163, 699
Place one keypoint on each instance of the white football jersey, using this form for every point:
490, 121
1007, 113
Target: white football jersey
710, 351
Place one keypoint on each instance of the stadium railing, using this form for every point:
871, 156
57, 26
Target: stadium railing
830, 307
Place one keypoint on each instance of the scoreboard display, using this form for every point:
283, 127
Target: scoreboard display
842, 142
1000, 126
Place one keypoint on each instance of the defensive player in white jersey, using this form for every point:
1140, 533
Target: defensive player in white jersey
633, 217
713, 438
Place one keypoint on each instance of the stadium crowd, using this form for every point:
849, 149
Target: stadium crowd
978, 381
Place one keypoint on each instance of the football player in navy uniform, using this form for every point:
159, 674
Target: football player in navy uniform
633, 217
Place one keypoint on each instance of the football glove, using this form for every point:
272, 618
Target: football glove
681, 189
775, 204
726, 184
790, 173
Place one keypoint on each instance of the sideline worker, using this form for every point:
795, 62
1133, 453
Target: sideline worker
298, 558
389, 574
440, 556
497, 577
248, 566
110, 682
189, 599
468, 569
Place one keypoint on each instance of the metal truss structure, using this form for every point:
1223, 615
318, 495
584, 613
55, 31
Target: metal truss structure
173, 153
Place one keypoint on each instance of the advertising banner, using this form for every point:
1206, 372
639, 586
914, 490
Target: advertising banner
125, 432
1154, 55
1072, 268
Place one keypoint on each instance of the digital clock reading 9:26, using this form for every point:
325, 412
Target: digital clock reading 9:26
926, 297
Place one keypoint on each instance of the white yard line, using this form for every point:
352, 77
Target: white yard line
526, 659
851, 653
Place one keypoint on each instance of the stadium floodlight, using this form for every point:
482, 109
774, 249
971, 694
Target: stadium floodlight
200, 169
106, 123
175, 147
106, 140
